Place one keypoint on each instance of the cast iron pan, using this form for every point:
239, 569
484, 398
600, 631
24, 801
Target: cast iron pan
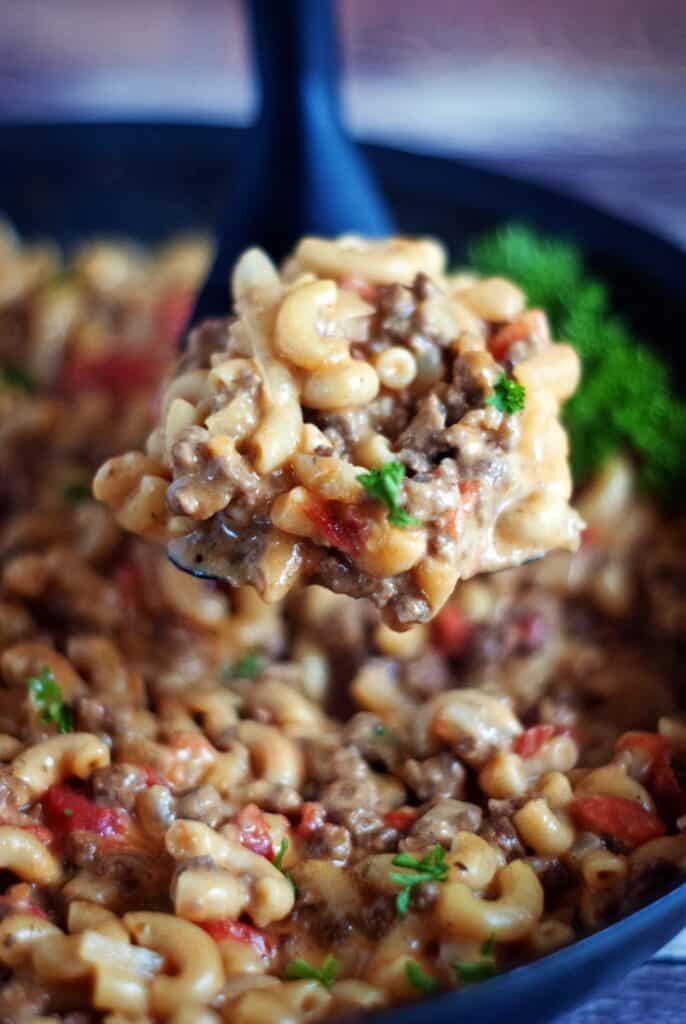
147, 181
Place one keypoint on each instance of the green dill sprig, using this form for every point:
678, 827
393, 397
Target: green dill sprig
419, 979
430, 868
48, 699
326, 974
508, 396
627, 397
385, 484
477, 970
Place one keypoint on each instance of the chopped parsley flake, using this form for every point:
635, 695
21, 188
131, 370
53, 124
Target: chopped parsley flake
508, 396
76, 491
431, 868
419, 979
385, 485
325, 975
477, 970
248, 666
278, 860
13, 378
47, 697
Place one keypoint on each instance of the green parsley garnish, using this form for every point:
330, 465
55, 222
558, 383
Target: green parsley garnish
431, 868
627, 397
478, 970
419, 979
76, 491
508, 396
385, 485
278, 860
47, 697
247, 667
13, 378
379, 729
325, 975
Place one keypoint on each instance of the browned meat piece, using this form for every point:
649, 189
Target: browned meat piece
441, 822
439, 776
498, 830
202, 803
118, 785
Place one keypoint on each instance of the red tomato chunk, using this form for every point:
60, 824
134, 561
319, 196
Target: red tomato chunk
312, 818
451, 631
340, 525
66, 810
262, 943
618, 818
662, 783
254, 832
401, 819
529, 742
117, 372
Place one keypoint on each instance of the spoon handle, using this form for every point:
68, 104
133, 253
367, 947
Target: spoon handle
299, 173
323, 179
296, 52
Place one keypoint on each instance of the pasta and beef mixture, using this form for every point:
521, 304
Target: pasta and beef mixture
363, 422
217, 809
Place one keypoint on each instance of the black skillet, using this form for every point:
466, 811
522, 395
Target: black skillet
149, 180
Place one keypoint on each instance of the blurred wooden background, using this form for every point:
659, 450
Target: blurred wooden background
589, 95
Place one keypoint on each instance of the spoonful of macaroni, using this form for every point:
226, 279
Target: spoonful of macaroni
364, 421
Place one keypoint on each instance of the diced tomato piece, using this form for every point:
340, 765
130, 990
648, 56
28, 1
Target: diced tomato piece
590, 537
128, 580
14, 906
650, 744
662, 783
617, 817
152, 776
120, 373
312, 818
530, 631
40, 832
469, 490
365, 289
67, 810
254, 832
450, 631
341, 526
262, 943
401, 818
532, 323
529, 742
173, 313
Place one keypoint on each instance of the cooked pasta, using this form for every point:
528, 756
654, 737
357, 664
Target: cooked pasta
214, 809
372, 432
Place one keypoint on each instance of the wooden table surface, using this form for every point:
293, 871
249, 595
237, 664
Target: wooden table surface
654, 994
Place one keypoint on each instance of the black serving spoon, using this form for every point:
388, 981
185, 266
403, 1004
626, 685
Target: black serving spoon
300, 174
